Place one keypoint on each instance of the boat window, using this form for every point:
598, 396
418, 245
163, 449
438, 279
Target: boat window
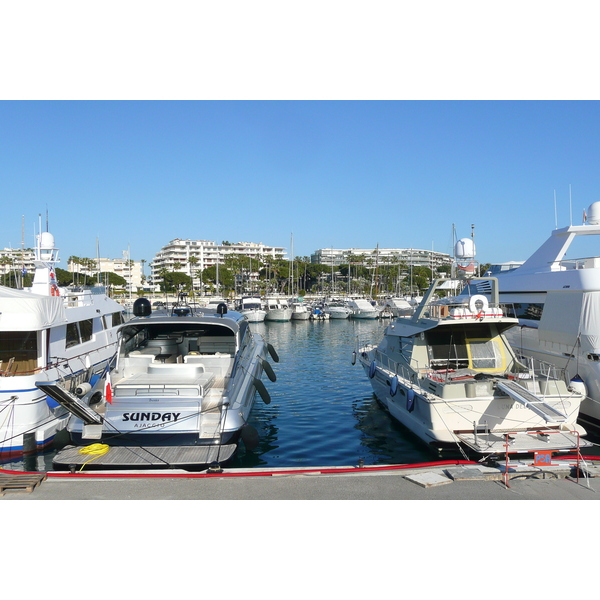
18, 352
524, 310
86, 328
117, 319
466, 346
447, 348
486, 354
72, 335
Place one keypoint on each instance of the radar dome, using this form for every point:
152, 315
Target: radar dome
464, 248
142, 307
593, 214
46, 240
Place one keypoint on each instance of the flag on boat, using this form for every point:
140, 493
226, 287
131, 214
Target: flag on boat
108, 389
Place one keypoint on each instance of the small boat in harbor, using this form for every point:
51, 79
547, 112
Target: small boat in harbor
449, 375
337, 309
398, 307
252, 308
300, 312
179, 395
278, 309
362, 309
49, 333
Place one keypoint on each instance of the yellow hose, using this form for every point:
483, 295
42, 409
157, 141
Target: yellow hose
96, 449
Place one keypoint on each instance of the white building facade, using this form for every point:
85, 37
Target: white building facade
130, 270
382, 256
191, 256
16, 261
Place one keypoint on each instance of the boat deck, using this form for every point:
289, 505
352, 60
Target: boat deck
122, 457
522, 442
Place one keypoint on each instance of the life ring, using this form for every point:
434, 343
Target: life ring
54, 291
372, 369
410, 400
393, 386
478, 304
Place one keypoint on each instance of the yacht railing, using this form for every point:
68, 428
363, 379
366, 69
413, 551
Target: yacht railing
541, 370
524, 367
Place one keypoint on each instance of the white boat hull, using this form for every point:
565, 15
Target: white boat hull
254, 316
337, 313
279, 314
435, 420
301, 315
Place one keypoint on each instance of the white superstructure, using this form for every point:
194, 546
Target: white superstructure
49, 333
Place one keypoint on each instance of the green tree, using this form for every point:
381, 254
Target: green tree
174, 281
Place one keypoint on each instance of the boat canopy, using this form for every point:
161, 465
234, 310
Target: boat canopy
23, 311
569, 314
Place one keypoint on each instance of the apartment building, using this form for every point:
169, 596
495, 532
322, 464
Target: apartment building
382, 256
187, 256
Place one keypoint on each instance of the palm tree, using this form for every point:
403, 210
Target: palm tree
192, 262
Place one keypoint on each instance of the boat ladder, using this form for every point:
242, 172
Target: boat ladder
72, 403
529, 400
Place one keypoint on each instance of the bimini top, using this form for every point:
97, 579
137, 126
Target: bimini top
23, 311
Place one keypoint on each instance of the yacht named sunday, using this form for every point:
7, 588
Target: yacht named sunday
179, 395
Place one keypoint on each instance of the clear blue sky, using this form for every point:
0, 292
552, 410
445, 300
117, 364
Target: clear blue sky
254, 121
332, 173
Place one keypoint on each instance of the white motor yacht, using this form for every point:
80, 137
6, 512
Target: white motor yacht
448, 374
557, 302
278, 309
399, 307
49, 333
300, 312
252, 308
337, 309
180, 393
362, 309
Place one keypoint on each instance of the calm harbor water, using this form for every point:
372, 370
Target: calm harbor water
322, 410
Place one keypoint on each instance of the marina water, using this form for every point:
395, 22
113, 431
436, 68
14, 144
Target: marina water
322, 411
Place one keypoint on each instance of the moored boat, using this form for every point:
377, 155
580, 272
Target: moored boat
449, 375
362, 309
179, 395
337, 309
278, 309
252, 308
300, 311
399, 307
49, 333
557, 303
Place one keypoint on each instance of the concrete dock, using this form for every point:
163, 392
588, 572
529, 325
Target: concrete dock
395, 482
